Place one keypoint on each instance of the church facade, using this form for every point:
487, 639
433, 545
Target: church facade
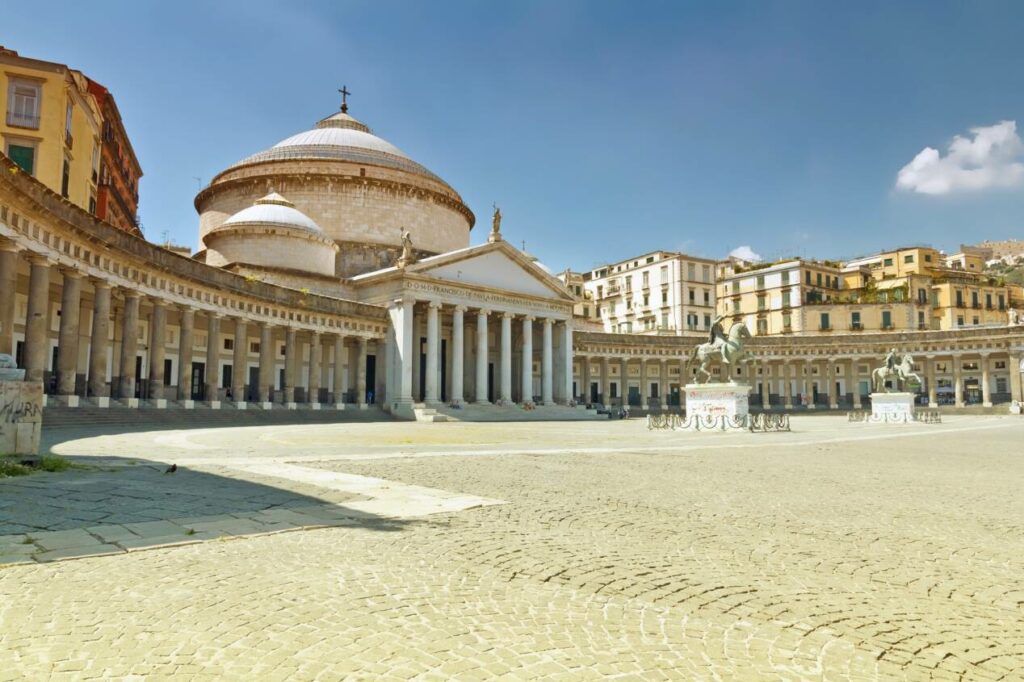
334, 271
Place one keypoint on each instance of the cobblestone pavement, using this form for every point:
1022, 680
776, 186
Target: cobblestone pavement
836, 552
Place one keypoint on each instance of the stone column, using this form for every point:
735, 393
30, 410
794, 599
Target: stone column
129, 344
240, 361
855, 382
527, 360
430, 394
645, 390
458, 354
212, 355
957, 381
568, 361
37, 319
340, 387
481, 357
833, 402
361, 374
766, 385
606, 382
787, 387
98, 342
186, 339
67, 339
291, 355
546, 369
663, 384
986, 389
624, 381
314, 368
266, 388
157, 349
933, 388
585, 370
1015, 383
403, 321
8, 285
505, 393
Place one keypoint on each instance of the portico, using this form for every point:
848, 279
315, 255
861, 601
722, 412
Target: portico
483, 325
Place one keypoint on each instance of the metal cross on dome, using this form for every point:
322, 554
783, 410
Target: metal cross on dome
344, 99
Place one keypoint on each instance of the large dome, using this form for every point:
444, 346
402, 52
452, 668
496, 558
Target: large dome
360, 190
340, 137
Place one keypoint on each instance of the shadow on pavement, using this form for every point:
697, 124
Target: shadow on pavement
121, 505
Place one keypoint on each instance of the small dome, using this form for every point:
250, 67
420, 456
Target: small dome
273, 210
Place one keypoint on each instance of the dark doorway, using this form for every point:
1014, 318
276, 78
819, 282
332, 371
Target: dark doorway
634, 395
490, 382
254, 384
168, 371
594, 397
420, 394
371, 377
138, 376
198, 379
444, 370
225, 380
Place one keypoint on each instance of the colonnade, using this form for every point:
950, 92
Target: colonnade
119, 310
499, 363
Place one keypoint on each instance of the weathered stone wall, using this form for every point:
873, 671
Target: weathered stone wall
21, 417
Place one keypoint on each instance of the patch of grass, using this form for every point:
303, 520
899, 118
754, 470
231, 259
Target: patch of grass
10, 467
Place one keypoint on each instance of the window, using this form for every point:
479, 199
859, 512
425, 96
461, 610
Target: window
818, 279
974, 299
254, 346
692, 296
959, 298
922, 296
886, 319
824, 321
807, 276
1000, 364
927, 258
646, 278
586, 311
762, 302
707, 297
920, 319
988, 301
959, 320
647, 300
736, 287
787, 321
762, 326
887, 262
707, 322
786, 299
909, 258
67, 125
760, 281
974, 320
736, 305
691, 272
92, 203
229, 344
65, 179
1002, 302
855, 319
785, 277
23, 98
24, 155
705, 273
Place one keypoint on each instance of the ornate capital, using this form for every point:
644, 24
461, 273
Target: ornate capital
434, 304
459, 309
484, 312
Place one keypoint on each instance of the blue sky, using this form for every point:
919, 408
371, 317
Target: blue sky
603, 130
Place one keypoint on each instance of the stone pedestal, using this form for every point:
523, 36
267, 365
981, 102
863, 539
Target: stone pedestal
241, 405
188, 404
21, 417
716, 407
892, 408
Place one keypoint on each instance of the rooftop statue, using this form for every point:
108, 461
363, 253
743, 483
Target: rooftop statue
407, 256
729, 347
495, 235
898, 368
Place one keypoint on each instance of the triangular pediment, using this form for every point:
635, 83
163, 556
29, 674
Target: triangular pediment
495, 266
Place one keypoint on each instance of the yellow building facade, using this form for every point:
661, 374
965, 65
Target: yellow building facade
51, 126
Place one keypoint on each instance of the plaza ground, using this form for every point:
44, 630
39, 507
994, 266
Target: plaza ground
528, 551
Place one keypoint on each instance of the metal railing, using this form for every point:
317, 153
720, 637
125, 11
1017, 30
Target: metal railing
22, 120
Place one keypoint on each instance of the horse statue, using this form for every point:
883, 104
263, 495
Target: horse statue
901, 372
729, 347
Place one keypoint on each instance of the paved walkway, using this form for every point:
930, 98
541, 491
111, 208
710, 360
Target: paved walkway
839, 551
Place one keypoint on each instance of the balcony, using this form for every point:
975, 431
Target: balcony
887, 327
922, 327
976, 306
856, 326
825, 327
22, 120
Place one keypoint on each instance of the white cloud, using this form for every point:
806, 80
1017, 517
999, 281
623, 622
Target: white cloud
746, 253
990, 158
